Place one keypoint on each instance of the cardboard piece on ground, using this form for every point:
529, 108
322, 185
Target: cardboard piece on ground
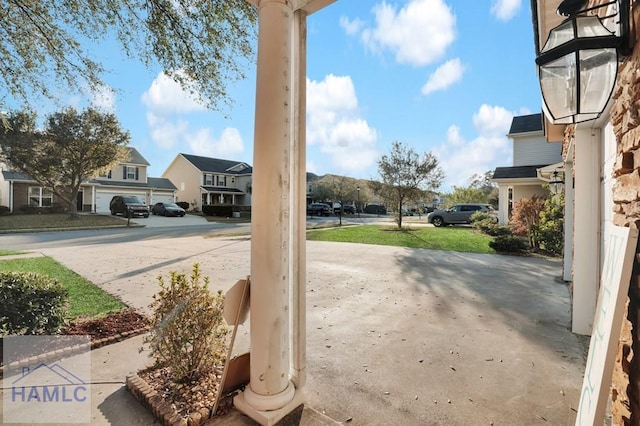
620, 248
236, 307
236, 303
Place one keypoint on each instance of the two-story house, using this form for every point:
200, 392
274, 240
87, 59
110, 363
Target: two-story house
205, 180
127, 178
534, 161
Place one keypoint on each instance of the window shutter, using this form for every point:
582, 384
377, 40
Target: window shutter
137, 175
124, 172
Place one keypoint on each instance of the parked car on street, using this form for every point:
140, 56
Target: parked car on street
128, 206
459, 213
344, 209
318, 209
167, 209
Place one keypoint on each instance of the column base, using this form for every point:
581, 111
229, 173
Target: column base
271, 417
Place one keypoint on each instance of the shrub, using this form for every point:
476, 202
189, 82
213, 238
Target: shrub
4, 210
550, 228
188, 331
31, 303
220, 210
184, 204
510, 244
525, 218
490, 227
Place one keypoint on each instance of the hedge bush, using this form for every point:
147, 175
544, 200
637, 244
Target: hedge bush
31, 303
512, 244
4, 210
220, 210
188, 329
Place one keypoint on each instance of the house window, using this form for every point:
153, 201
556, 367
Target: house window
106, 174
40, 197
222, 181
208, 180
130, 172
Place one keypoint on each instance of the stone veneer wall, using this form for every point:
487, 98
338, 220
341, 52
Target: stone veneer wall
625, 117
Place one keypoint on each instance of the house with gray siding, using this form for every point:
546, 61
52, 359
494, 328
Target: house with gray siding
534, 160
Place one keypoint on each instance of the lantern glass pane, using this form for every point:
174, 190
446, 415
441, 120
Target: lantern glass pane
559, 35
558, 86
598, 68
591, 26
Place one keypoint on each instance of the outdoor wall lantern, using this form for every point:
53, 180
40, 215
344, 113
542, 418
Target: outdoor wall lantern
556, 184
577, 66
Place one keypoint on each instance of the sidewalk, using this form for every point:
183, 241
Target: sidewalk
394, 336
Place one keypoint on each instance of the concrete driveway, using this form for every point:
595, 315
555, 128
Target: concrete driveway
395, 336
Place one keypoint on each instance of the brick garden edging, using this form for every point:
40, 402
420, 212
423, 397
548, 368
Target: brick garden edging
73, 350
161, 409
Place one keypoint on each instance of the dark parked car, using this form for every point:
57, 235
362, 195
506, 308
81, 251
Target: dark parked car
318, 209
167, 209
128, 205
460, 213
344, 209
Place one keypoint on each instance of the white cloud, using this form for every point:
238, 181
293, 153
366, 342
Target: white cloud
351, 27
504, 10
460, 158
417, 34
166, 96
228, 145
164, 133
447, 74
335, 126
492, 120
103, 98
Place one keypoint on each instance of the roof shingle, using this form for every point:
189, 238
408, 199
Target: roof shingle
526, 124
208, 164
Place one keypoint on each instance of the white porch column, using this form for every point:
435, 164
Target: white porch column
586, 261
278, 278
503, 207
270, 394
567, 264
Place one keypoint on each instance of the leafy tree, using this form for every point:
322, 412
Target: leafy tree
465, 195
197, 43
73, 147
340, 189
406, 175
485, 183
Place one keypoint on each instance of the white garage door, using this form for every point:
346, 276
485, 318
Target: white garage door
103, 198
161, 197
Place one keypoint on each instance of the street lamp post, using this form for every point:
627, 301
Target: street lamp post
358, 203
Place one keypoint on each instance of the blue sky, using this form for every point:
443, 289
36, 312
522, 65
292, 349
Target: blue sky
439, 76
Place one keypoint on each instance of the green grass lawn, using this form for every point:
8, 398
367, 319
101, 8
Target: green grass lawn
14, 222
10, 252
85, 298
449, 238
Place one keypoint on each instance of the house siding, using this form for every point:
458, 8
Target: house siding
533, 150
187, 179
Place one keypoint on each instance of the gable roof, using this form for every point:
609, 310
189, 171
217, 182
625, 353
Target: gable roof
217, 165
526, 124
518, 172
135, 157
